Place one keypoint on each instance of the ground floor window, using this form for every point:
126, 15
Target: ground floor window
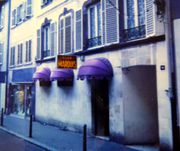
21, 99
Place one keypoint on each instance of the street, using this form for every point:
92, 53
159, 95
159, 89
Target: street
9, 142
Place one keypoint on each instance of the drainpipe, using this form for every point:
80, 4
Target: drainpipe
7, 57
172, 74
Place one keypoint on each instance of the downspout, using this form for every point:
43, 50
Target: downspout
7, 58
172, 73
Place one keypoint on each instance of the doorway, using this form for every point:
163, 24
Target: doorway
100, 107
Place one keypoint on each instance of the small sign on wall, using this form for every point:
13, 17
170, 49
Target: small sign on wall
68, 62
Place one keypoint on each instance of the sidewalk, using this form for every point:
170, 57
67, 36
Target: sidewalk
53, 139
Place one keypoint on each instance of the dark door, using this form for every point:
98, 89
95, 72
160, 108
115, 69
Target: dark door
100, 107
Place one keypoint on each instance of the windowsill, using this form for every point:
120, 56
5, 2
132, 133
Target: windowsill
19, 65
22, 21
47, 59
28, 63
95, 47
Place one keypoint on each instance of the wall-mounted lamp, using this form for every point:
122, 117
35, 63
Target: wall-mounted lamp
160, 4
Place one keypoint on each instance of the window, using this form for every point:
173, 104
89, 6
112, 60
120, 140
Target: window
65, 34
46, 40
94, 27
135, 13
1, 16
20, 54
45, 2
29, 8
20, 14
14, 17
78, 30
1, 52
28, 51
12, 57
134, 20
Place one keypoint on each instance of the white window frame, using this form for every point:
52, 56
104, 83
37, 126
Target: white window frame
1, 52
44, 40
96, 20
64, 32
136, 22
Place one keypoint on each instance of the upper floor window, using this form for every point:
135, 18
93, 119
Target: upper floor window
134, 20
20, 54
45, 2
12, 56
94, 26
22, 12
1, 52
46, 40
28, 51
2, 16
65, 34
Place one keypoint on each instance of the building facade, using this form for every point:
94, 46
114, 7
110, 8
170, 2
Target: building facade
21, 99
120, 88
4, 8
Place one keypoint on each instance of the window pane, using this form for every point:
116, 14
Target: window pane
130, 14
141, 13
99, 19
92, 22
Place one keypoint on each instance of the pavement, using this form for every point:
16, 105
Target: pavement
9, 142
54, 139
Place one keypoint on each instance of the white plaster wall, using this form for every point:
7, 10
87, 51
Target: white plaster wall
177, 52
164, 107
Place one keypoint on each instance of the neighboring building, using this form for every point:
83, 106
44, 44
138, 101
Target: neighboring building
4, 8
21, 100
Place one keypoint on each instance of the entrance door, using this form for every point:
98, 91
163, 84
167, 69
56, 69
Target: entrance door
100, 107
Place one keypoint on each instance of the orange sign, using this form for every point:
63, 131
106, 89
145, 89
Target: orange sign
69, 62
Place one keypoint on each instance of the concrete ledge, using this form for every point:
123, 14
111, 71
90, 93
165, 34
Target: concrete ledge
30, 140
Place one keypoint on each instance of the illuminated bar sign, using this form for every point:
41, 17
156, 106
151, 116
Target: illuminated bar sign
69, 62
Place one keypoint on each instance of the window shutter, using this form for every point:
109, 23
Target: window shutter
78, 31
38, 55
61, 36
103, 20
29, 8
26, 48
2, 16
111, 21
30, 50
150, 18
68, 34
15, 17
1, 53
53, 31
24, 11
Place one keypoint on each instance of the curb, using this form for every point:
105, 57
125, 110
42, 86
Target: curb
30, 140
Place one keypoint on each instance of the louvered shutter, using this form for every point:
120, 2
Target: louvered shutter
2, 16
111, 21
78, 30
103, 21
29, 8
85, 29
38, 56
150, 17
53, 32
61, 35
30, 50
1, 53
24, 11
68, 34
26, 48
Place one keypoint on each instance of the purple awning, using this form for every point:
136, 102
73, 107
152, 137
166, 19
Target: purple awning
98, 68
62, 74
42, 74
